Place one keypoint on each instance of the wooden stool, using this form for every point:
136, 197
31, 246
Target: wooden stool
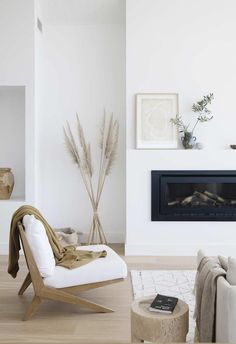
158, 327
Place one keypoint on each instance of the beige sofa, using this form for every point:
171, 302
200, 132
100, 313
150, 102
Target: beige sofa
225, 300
225, 312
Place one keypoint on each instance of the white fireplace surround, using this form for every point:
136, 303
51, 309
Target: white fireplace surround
145, 237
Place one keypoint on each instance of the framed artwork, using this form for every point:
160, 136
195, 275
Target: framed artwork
153, 127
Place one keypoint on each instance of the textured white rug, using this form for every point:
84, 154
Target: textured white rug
177, 283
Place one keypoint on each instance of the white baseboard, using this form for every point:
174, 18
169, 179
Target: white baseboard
4, 248
190, 249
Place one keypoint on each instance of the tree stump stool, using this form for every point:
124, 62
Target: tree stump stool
158, 327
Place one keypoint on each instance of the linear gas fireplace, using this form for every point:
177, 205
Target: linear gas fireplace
193, 195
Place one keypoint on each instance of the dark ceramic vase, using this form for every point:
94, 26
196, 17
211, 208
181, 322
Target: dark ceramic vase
188, 140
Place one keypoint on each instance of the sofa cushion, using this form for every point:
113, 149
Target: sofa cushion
223, 262
98, 270
39, 245
200, 255
231, 272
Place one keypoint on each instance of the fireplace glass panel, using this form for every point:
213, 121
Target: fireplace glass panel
193, 195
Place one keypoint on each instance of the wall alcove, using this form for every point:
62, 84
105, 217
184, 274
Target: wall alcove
12, 136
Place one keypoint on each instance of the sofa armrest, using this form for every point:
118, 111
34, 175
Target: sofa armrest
225, 312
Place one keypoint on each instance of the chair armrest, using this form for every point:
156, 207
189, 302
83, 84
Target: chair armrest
225, 312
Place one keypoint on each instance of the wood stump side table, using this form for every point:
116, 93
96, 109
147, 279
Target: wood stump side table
158, 327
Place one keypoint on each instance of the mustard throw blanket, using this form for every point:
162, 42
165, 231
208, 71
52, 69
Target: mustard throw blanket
67, 257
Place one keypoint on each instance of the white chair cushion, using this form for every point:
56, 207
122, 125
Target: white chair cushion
39, 245
98, 270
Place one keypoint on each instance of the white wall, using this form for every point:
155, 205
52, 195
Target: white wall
83, 71
186, 47
12, 145
182, 46
17, 69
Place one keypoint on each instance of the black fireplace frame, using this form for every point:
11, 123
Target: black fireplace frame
202, 213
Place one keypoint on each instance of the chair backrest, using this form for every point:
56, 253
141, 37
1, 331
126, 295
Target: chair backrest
36, 278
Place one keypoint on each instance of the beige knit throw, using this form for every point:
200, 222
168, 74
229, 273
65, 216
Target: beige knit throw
208, 272
68, 257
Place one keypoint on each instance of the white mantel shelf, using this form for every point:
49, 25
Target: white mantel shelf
180, 159
186, 150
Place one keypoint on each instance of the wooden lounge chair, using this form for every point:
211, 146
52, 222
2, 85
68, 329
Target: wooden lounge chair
46, 288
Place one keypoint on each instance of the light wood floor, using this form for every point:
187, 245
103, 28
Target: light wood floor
63, 323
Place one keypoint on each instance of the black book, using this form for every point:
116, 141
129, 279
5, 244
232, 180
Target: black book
163, 304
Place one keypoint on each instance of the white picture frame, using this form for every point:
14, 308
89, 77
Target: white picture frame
153, 127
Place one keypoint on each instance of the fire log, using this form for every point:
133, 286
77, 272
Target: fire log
206, 199
187, 200
215, 197
171, 204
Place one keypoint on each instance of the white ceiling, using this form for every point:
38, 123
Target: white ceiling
69, 12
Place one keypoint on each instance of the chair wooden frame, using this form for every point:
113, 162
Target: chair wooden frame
43, 292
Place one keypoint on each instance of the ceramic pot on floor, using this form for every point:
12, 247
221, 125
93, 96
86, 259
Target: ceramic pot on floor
6, 183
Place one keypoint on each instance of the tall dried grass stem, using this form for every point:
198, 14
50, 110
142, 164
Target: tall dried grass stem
108, 145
